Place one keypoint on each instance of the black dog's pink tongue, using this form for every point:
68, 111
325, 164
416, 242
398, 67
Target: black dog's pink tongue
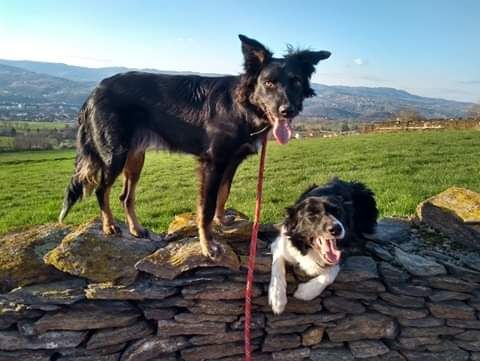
282, 131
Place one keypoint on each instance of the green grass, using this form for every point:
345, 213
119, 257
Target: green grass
24, 125
402, 168
6, 142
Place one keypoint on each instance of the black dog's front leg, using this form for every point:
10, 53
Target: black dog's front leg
210, 178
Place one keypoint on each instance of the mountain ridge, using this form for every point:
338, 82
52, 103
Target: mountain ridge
55, 91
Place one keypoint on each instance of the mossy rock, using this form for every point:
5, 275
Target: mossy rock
455, 213
185, 225
88, 253
183, 255
21, 256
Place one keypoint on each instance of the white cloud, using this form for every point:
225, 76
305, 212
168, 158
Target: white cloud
359, 61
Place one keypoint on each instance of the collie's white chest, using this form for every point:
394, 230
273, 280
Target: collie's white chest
310, 263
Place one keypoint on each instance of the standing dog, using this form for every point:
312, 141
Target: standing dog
322, 222
219, 120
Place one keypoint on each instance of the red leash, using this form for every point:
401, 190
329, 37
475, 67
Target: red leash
253, 253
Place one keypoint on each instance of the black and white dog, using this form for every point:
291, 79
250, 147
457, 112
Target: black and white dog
322, 222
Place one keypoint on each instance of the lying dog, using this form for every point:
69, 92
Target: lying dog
322, 222
220, 120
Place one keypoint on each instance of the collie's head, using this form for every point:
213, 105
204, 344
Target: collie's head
319, 224
276, 87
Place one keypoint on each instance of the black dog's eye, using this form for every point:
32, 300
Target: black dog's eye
296, 81
268, 84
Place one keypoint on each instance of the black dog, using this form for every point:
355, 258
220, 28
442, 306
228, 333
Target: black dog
322, 222
220, 120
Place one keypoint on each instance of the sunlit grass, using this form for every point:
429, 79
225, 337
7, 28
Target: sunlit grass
402, 168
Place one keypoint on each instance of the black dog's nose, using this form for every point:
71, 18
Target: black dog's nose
335, 229
286, 110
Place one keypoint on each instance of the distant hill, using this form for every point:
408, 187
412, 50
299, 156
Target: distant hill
31, 90
80, 73
364, 103
25, 95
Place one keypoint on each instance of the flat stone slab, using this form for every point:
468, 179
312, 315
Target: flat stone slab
139, 290
88, 316
333, 354
456, 213
211, 352
281, 342
357, 268
185, 225
88, 253
418, 265
25, 355
13, 340
56, 293
451, 355
452, 309
119, 335
371, 326
400, 312
223, 291
336, 304
151, 348
166, 328
392, 230
364, 349
183, 255
21, 256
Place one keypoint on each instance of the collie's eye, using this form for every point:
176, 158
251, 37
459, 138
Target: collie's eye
268, 84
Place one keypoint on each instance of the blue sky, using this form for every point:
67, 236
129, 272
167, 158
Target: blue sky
428, 47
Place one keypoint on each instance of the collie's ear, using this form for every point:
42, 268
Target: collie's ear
291, 219
254, 53
365, 208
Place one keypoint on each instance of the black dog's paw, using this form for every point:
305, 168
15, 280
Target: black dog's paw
213, 250
111, 229
140, 233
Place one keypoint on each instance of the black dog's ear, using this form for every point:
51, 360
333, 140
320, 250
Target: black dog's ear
313, 57
254, 54
307, 58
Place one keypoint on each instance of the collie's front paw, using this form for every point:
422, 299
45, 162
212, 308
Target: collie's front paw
305, 292
277, 296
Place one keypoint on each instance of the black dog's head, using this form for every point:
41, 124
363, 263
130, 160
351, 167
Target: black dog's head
277, 87
318, 223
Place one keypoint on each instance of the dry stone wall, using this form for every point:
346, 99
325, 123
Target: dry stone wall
403, 297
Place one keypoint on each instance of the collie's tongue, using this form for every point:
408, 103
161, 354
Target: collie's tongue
330, 250
282, 131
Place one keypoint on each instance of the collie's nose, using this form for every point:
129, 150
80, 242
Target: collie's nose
335, 229
286, 110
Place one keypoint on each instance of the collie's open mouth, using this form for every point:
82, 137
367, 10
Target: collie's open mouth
328, 249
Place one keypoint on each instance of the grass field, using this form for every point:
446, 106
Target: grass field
6, 142
402, 169
24, 125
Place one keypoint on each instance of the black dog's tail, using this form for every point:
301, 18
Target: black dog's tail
365, 209
88, 167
